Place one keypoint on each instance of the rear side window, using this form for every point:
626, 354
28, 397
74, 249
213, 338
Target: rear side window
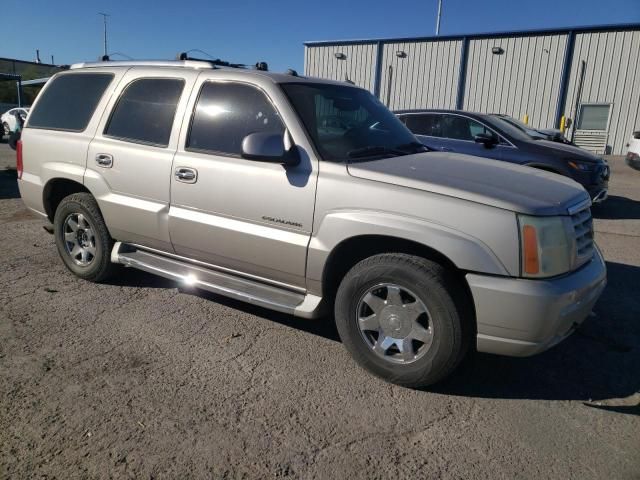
226, 113
145, 111
69, 101
424, 124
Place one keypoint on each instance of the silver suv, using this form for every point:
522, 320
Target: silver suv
308, 196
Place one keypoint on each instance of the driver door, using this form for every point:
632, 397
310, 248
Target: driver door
247, 216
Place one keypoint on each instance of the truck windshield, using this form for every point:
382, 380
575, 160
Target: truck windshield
347, 122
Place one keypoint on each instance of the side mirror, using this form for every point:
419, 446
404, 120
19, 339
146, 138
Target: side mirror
270, 147
487, 140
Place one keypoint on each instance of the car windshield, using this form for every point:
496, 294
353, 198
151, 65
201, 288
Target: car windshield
508, 128
347, 122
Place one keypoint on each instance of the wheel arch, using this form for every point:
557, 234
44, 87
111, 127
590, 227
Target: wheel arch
352, 250
55, 190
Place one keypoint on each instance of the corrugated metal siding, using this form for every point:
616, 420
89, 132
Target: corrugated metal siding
359, 66
612, 75
525, 79
426, 78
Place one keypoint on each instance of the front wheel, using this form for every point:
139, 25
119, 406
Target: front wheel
82, 238
397, 317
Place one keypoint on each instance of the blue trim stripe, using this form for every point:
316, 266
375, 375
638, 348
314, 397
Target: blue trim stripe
378, 71
464, 56
513, 33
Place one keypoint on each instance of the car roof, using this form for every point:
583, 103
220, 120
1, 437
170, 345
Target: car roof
202, 65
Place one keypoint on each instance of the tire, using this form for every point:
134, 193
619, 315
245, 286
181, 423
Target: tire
445, 317
86, 251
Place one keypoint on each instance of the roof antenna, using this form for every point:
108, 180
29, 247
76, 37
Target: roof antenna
292, 72
262, 66
350, 82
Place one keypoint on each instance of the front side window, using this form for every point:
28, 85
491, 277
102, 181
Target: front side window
226, 113
347, 122
145, 111
462, 128
69, 101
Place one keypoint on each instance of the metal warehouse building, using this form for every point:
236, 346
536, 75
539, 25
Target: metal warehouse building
590, 75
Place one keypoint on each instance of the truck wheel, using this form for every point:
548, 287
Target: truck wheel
397, 317
82, 238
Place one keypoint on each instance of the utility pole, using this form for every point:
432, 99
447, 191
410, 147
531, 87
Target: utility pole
104, 18
439, 16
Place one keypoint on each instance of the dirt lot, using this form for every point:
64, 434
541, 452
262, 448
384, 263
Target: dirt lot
138, 379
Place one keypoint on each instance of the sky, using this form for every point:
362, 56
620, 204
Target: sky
247, 31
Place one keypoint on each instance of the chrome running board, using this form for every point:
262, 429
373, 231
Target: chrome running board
222, 283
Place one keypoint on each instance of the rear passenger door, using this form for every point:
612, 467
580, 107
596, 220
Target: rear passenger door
129, 159
248, 216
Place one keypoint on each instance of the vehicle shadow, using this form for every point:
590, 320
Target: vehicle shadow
601, 360
617, 208
323, 327
9, 184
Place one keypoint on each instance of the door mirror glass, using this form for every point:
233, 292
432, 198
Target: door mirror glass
268, 147
486, 139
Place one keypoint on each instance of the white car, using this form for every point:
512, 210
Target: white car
633, 154
8, 119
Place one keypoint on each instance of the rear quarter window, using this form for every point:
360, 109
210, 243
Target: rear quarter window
69, 101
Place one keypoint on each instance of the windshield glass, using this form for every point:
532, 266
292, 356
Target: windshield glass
347, 122
532, 132
508, 128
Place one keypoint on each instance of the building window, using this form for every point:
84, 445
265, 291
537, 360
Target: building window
594, 117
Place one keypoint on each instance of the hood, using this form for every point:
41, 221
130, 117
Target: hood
565, 150
490, 182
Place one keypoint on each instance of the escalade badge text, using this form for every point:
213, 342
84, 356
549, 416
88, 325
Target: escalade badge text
282, 221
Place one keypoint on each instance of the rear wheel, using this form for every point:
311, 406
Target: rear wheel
82, 238
397, 316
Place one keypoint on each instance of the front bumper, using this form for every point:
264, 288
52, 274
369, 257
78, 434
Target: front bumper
522, 317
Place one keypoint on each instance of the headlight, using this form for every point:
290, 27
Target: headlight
585, 167
547, 246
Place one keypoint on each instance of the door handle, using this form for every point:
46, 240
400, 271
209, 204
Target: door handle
104, 160
445, 149
186, 175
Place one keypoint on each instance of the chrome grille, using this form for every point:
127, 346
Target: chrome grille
583, 229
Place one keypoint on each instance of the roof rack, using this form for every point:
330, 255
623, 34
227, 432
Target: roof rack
183, 60
262, 66
147, 63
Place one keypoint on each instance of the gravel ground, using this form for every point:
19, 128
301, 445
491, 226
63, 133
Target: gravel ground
139, 379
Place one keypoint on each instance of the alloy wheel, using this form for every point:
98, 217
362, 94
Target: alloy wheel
394, 323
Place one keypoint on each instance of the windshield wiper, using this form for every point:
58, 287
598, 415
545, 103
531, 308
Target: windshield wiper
374, 150
416, 147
